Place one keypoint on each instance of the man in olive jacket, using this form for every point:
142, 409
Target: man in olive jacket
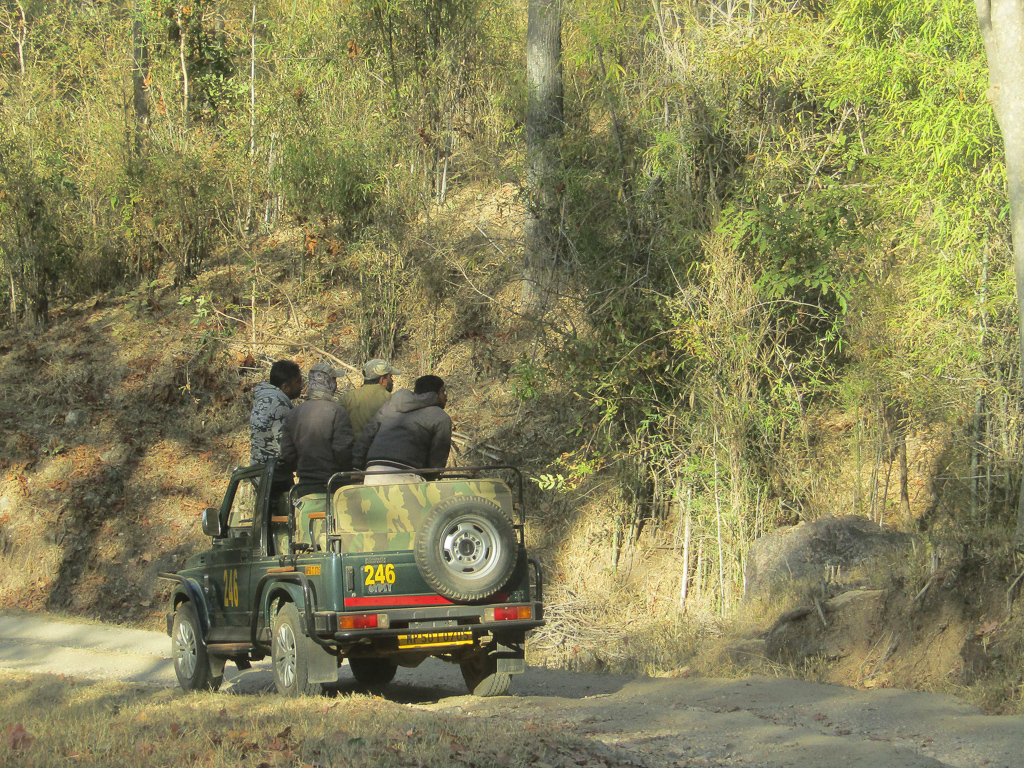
363, 402
317, 437
409, 433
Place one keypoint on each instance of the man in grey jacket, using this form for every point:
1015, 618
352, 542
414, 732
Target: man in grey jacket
409, 433
317, 438
272, 400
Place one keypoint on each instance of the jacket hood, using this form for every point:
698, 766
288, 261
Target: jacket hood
266, 389
320, 385
404, 401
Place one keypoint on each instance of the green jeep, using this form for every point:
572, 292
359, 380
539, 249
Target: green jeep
381, 575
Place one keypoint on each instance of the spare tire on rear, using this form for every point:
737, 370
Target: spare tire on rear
466, 549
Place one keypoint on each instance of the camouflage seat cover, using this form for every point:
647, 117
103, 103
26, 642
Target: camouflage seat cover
280, 532
310, 513
384, 518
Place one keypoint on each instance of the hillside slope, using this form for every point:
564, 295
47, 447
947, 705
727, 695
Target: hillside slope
123, 419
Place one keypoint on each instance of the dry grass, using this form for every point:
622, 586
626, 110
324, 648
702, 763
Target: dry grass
49, 721
617, 617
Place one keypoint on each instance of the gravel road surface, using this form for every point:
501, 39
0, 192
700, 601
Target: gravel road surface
754, 722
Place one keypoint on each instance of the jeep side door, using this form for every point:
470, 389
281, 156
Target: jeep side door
230, 560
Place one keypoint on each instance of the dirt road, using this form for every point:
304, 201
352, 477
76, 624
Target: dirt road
756, 722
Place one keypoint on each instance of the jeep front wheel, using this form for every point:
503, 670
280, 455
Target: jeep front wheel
289, 654
191, 658
466, 548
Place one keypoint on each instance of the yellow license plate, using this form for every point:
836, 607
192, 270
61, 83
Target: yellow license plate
427, 639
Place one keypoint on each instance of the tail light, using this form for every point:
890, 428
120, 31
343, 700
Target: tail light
362, 621
508, 613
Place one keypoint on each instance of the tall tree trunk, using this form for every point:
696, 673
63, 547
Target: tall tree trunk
252, 122
14, 297
1002, 29
904, 484
140, 80
685, 582
20, 36
184, 71
544, 122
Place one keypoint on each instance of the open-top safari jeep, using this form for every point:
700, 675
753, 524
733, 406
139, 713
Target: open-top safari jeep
385, 576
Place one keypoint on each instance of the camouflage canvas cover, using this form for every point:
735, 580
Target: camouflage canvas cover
384, 518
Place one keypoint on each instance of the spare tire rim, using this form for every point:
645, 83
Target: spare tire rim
470, 548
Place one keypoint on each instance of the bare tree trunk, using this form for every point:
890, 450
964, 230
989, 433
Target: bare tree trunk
544, 122
904, 490
718, 518
698, 571
14, 298
976, 458
184, 72
140, 80
686, 555
34, 292
252, 119
1002, 29
20, 35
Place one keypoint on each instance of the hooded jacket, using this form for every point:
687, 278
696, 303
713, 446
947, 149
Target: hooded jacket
269, 408
409, 432
317, 438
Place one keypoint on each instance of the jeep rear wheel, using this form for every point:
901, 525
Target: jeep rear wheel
372, 673
466, 548
480, 671
191, 658
289, 654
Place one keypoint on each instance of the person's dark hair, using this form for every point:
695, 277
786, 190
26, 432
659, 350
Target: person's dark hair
283, 371
427, 384
373, 379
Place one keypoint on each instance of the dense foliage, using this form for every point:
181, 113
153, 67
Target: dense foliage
771, 213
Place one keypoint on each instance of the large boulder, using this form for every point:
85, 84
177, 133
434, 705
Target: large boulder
818, 551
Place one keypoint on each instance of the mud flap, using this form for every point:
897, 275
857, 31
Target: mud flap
511, 666
216, 664
322, 666
510, 659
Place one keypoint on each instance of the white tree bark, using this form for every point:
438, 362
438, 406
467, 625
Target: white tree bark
184, 71
1002, 29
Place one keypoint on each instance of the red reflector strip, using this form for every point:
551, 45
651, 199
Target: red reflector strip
397, 600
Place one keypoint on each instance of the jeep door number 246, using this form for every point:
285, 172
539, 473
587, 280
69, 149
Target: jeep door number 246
231, 589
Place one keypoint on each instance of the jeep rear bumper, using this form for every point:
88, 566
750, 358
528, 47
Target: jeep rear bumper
397, 622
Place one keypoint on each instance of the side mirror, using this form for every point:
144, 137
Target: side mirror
212, 523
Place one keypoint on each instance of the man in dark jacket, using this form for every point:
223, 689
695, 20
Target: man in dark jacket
317, 437
409, 433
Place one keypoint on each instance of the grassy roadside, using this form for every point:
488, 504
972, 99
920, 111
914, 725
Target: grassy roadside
48, 721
